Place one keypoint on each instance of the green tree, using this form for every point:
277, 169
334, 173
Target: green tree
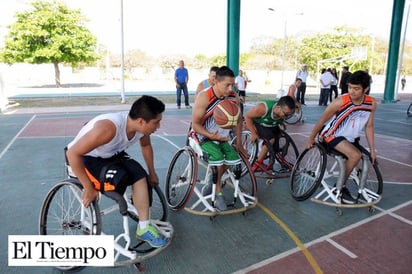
49, 33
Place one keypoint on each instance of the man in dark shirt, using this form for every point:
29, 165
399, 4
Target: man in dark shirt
343, 84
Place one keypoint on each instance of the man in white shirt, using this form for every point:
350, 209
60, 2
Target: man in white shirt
326, 79
303, 75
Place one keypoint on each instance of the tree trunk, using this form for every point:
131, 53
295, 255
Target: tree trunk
57, 74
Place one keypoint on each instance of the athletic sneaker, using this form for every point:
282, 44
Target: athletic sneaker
346, 196
220, 202
151, 236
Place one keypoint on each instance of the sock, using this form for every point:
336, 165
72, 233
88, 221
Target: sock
143, 224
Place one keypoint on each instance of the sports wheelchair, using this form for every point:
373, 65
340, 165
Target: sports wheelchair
63, 213
279, 161
312, 169
182, 181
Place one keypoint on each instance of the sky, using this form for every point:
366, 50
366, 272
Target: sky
161, 27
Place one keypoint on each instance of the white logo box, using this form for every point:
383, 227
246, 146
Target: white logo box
68, 250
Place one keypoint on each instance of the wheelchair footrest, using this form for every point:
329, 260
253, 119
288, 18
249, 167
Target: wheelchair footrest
328, 196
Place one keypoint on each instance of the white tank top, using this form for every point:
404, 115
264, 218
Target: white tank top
119, 143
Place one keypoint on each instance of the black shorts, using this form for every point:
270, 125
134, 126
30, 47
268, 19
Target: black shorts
267, 133
115, 173
241, 92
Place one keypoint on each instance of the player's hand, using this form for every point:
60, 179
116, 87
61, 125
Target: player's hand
217, 137
309, 143
89, 195
153, 179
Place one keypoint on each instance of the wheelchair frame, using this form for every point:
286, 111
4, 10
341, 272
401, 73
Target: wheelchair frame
63, 213
181, 184
306, 178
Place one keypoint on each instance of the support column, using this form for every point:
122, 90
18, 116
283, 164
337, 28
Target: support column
233, 34
393, 54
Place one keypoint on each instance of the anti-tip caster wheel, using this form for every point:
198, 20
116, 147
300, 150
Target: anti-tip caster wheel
371, 209
339, 211
139, 267
269, 182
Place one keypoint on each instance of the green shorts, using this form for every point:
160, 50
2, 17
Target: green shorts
220, 153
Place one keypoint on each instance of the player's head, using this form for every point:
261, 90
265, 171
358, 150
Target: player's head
286, 105
212, 74
225, 79
147, 108
359, 77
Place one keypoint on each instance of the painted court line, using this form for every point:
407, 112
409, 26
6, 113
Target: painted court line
342, 248
15, 137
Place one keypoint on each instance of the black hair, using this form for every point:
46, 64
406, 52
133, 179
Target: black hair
359, 77
214, 68
287, 101
146, 107
224, 71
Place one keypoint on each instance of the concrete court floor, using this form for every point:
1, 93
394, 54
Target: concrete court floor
280, 235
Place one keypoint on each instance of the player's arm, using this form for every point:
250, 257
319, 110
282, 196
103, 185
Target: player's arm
370, 131
327, 114
198, 112
255, 112
147, 152
102, 132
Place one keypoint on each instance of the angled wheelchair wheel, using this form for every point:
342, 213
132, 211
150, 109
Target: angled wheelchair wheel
181, 178
296, 117
247, 181
250, 148
158, 206
63, 213
286, 152
308, 172
409, 110
374, 180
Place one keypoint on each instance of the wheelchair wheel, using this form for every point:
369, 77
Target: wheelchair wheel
374, 180
296, 117
62, 213
181, 177
409, 110
158, 206
286, 151
308, 172
247, 181
250, 147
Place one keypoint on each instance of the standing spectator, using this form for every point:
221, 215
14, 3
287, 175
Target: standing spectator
181, 79
334, 85
403, 82
326, 79
370, 82
240, 83
303, 75
209, 81
343, 84
293, 90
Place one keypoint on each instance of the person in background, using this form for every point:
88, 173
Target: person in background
326, 78
181, 79
334, 85
303, 75
240, 83
403, 82
370, 82
209, 82
343, 84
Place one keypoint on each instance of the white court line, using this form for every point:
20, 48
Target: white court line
342, 248
322, 239
167, 140
15, 137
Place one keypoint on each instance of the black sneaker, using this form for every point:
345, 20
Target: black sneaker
346, 197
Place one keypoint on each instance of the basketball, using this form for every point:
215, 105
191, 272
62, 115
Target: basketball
226, 114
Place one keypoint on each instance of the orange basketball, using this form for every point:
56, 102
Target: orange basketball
226, 114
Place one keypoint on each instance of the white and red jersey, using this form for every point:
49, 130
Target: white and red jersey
350, 119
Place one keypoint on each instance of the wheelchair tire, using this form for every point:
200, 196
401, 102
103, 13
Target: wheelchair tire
247, 181
181, 178
374, 181
308, 172
286, 151
251, 148
61, 214
409, 110
158, 207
